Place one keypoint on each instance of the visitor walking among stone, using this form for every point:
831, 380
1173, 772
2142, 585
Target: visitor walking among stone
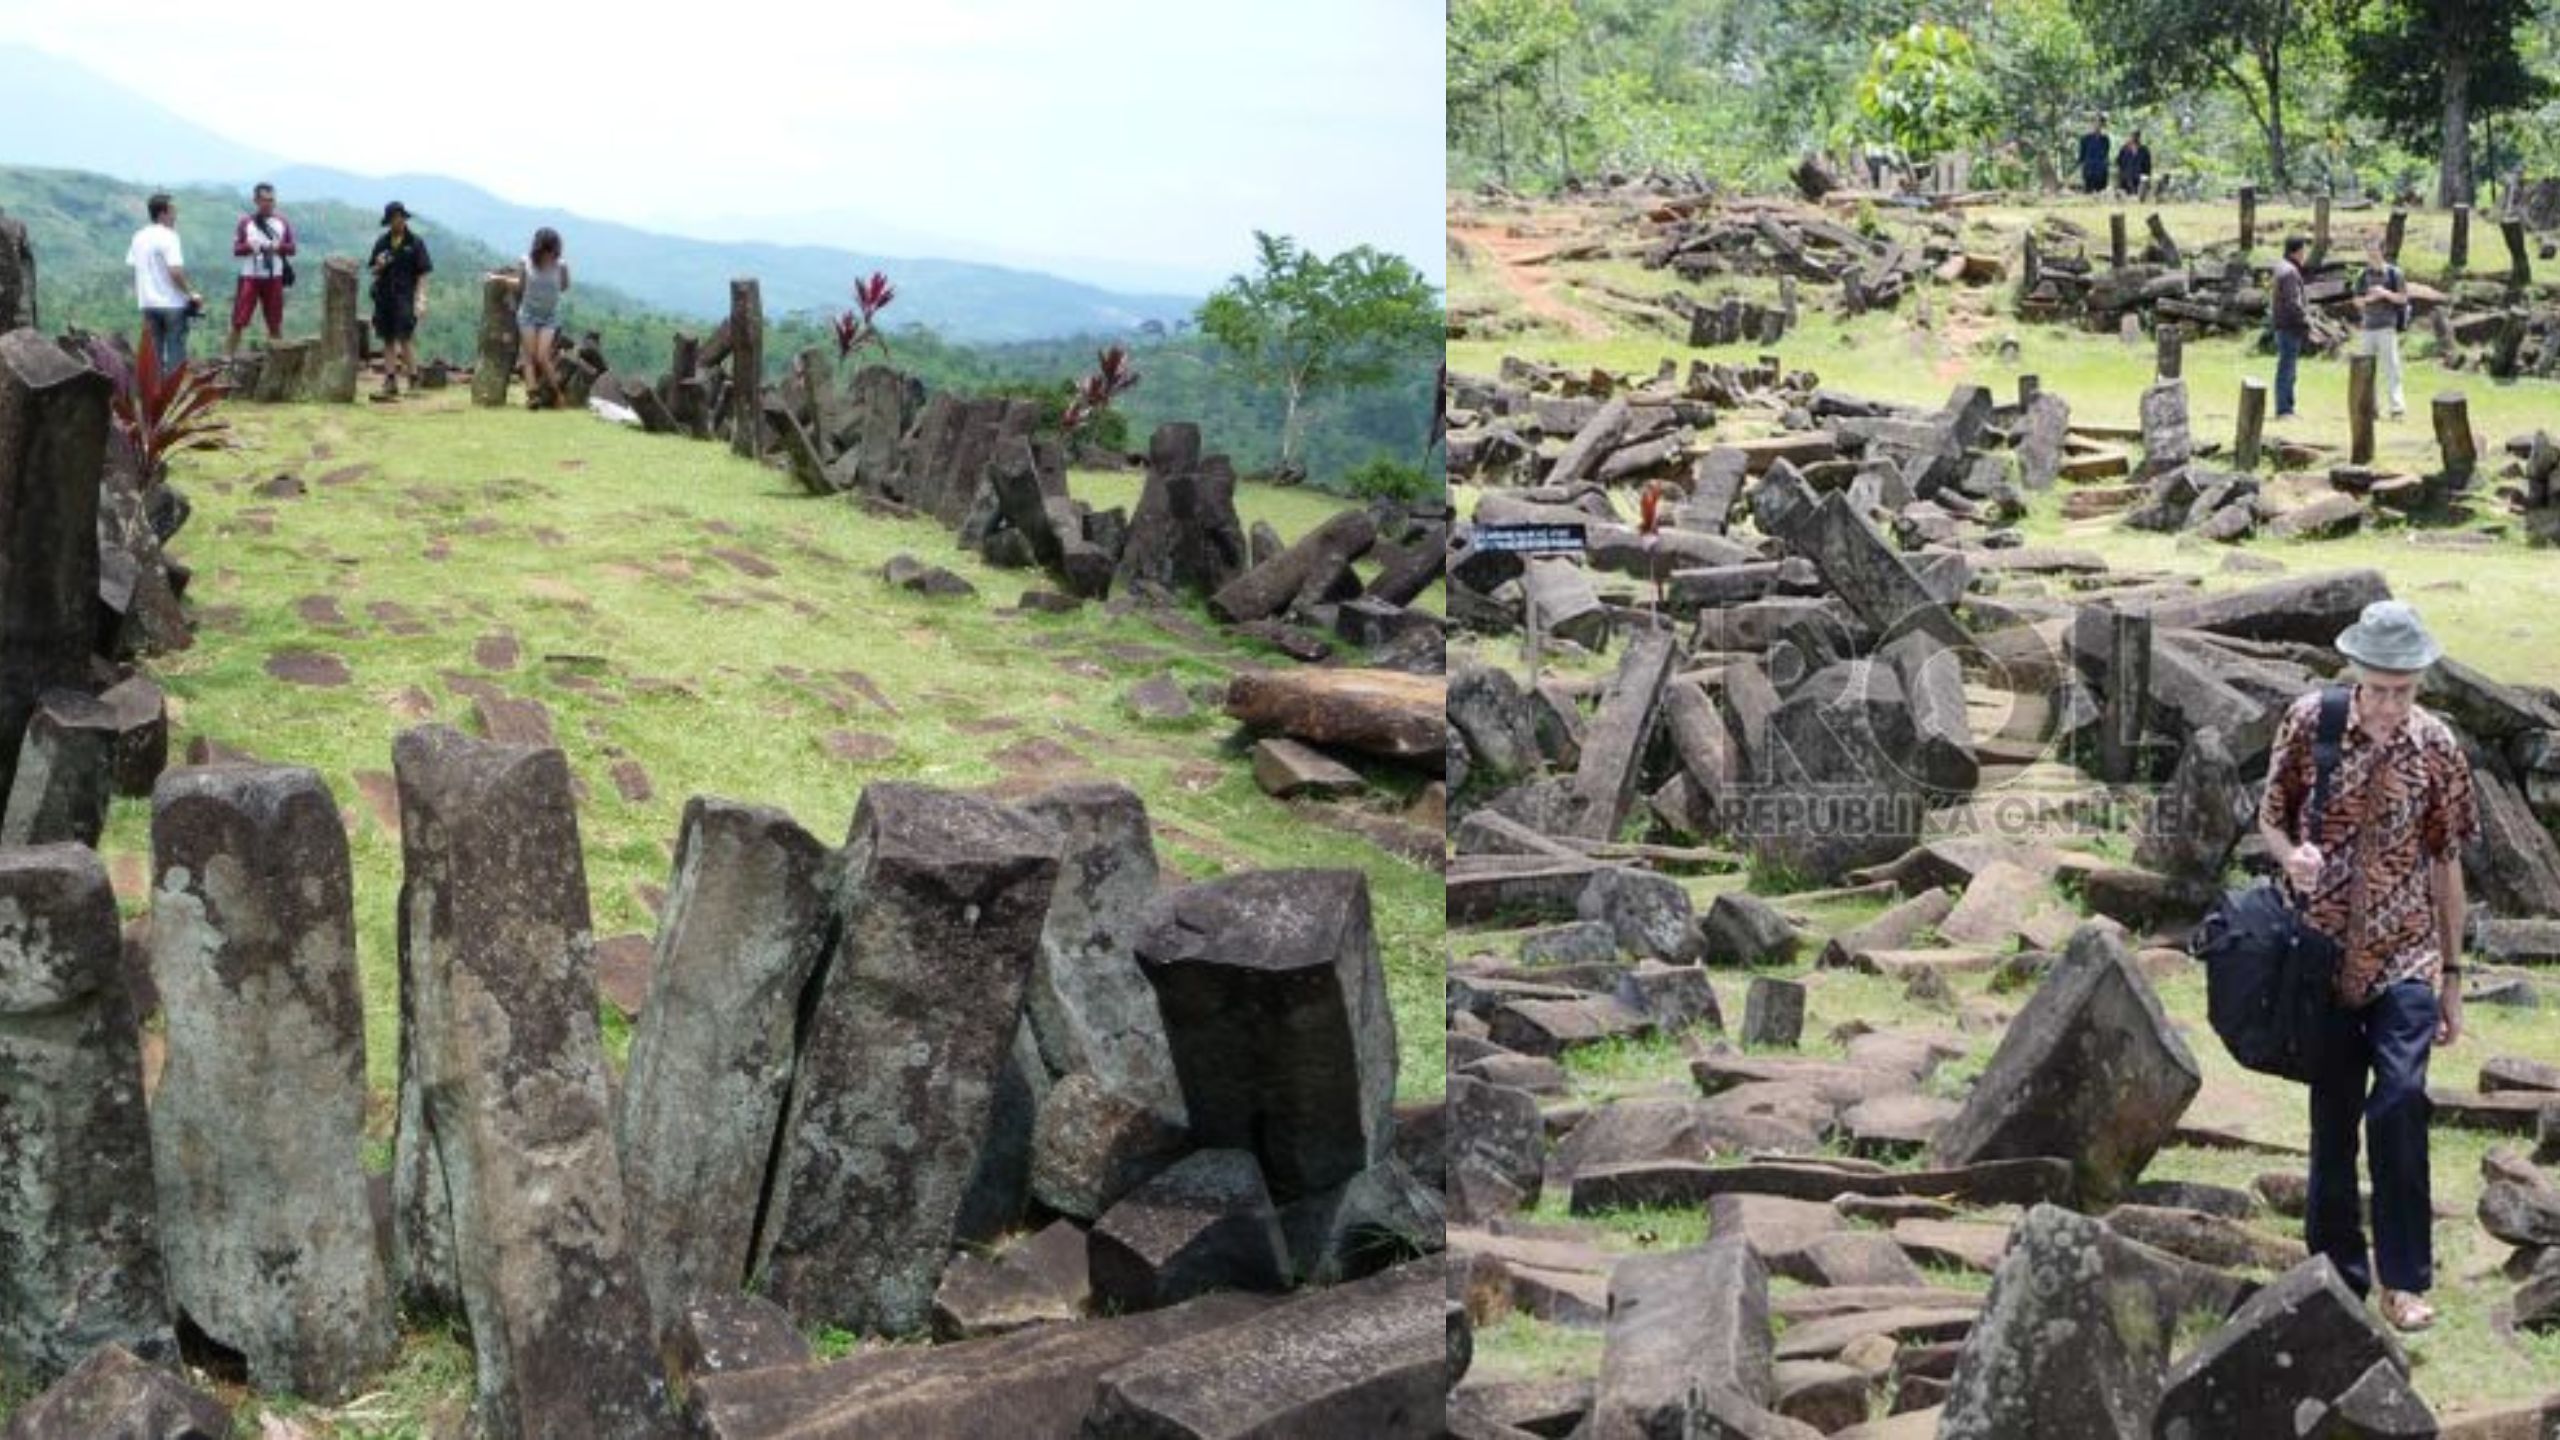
2133, 165
400, 266
2385, 301
2382, 874
160, 284
263, 240
2291, 322
2093, 157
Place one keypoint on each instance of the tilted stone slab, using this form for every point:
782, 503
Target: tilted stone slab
1614, 748
2091, 1069
79, 1233
741, 930
2309, 609
66, 770
1863, 569
940, 907
1367, 1358
1204, 1224
265, 1224
1089, 1004
1688, 1347
1376, 712
2305, 1337
500, 1026
1276, 1008
53, 443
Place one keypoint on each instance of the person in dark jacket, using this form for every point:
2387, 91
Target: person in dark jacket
2291, 321
2133, 165
2093, 157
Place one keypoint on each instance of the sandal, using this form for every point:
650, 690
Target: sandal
2407, 1313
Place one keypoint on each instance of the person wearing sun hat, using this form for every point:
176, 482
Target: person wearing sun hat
400, 268
2381, 873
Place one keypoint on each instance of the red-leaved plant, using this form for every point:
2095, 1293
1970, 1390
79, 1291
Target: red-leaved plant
157, 415
1113, 376
853, 331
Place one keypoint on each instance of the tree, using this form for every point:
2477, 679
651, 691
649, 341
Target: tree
2045, 76
1923, 91
1497, 47
2425, 69
2163, 47
1303, 324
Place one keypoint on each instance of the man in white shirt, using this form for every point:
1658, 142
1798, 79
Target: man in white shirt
160, 283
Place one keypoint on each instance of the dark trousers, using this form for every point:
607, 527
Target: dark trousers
2386, 1043
2093, 181
167, 330
2288, 358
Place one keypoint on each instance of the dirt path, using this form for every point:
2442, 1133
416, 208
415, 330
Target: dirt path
1513, 264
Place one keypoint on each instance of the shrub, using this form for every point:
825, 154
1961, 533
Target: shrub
1385, 479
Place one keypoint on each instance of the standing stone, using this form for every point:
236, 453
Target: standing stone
2166, 442
1773, 1012
1089, 1004
999, 1192
1486, 706
1842, 789
2090, 1069
141, 714
66, 767
1184, 535
332, 368
884, 402
2046, 427
746, 368
17, 277
79, 1246
2066, 1275
53, 440
939, 908
743, 924
499, 1014
1277, 1012
266, 1228
493, 365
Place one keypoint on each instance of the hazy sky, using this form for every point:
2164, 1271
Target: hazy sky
1156, 133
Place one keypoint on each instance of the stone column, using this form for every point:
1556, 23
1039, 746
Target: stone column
258, 1127
495, 363
746, 367
499, 1019
332, 369
744, 924
941, 901
53, 444
79, 1233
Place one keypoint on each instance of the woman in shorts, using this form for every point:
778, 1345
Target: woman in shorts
545, 280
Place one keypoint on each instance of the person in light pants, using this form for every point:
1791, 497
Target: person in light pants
2386, 314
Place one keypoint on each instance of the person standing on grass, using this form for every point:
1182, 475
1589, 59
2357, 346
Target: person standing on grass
264, 242
400, 269
544, 280
2093, 157
2381, 873
160, 284
2291, 321
2386, 313
2133, 166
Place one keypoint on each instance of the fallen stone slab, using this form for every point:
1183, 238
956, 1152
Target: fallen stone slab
1042, 1279
1376, 712
1485, 889
513, 1180
77, 1212
718, 1334
2091, 1068
1894, 1127
939, 902
1615, 745
1895, 929
1205, 1224
1036, 1383
265, 1227
1954, 1244
1275, 1006
1688, 1348
2206, 1239
1859, 566
1549, 1028
114, 1396
742, 929
1838, 1083
2304, 609
1649, 914
2304, 1338
1367, 1358
2507, 1112
1671, 1184
1742, 929
1824, 1338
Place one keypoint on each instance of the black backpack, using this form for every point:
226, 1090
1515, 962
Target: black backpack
2267, 972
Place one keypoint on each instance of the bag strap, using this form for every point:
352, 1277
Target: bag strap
2326, 742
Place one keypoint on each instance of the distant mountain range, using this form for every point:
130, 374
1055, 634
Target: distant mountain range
56, 114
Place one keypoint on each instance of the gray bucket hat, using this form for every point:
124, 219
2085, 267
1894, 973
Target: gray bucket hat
2388, 637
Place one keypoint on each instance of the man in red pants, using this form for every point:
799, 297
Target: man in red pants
264, 242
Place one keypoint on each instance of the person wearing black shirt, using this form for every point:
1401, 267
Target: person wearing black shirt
2133, 165
2093, 157
400, 267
